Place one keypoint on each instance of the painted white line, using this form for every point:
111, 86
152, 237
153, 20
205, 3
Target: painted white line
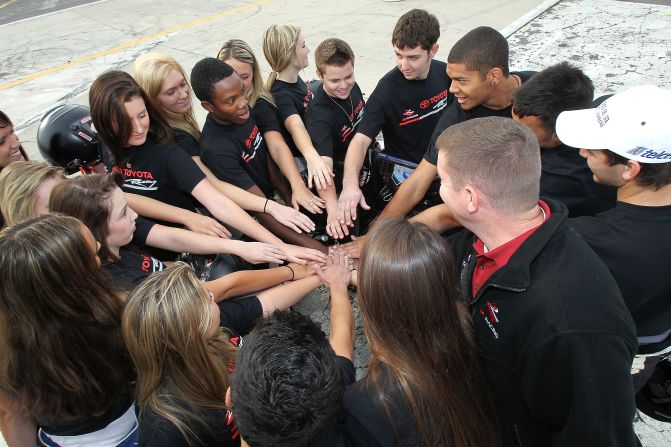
51, 12
528, 17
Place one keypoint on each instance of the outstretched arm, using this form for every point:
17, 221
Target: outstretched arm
180, 240
439, 218
227, 211
281, 154
251, 202
336, 277
411, 191
155, 209
351, 196
318, 171
250, 281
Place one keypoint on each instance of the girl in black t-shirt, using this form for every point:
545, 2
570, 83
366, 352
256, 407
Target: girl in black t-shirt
425, 385
166, 83
286, 52
141, 142
64, 366
239, 55
183, 359
99, 202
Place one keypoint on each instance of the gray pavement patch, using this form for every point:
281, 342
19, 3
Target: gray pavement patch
22, 10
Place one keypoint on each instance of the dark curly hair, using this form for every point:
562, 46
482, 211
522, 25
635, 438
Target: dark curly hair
286, 389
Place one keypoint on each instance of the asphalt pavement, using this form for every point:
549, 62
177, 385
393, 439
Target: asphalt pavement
53, 50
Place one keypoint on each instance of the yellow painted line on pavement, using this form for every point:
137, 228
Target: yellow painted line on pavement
7, 3
130, 44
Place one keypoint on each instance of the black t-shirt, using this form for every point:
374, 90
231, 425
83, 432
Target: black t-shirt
187, 142
407, 111
566, 177
131, 269
336, 436
163, 172
291, 98
266, 116
455, 114
332, 122
236, 154
156, 431
365, 420
634, 242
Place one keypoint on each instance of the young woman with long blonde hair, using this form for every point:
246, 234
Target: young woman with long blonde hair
165, 81
287, 53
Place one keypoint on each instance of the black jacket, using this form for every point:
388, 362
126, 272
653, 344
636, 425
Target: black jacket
557, 340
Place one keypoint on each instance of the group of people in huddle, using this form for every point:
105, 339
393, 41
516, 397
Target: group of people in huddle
505, 233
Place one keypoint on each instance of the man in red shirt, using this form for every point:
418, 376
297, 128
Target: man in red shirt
553, 329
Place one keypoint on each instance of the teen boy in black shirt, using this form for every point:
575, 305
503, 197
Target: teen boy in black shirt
482, 86
231, 143
564, 173
627, 143
405, 105
333, 117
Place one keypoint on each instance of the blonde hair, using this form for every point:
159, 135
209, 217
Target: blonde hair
180, 371
279, 47
150, 71
239, 50
18, 183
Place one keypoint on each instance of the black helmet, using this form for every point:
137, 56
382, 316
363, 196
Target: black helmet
65, 138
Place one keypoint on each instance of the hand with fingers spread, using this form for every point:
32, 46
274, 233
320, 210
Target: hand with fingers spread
350, 198
352, 249
334, 227
304, 197
206, 225
290, 217
319, 172
337, 272
260, 252
302, 255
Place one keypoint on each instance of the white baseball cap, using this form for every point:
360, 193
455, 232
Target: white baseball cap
635, 124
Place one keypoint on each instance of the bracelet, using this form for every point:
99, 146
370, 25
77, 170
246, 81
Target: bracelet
264, 207
293, 275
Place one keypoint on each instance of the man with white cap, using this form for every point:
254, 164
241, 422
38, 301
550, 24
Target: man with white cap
627, 143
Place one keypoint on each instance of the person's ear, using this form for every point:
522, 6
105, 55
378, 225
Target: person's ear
495, 75
433, 50
472, 199
227, 400
633, 168
319, 74
207, 105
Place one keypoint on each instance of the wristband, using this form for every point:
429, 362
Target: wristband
264, 207
293, 275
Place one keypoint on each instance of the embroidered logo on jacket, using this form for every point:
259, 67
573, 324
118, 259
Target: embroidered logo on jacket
490, 313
